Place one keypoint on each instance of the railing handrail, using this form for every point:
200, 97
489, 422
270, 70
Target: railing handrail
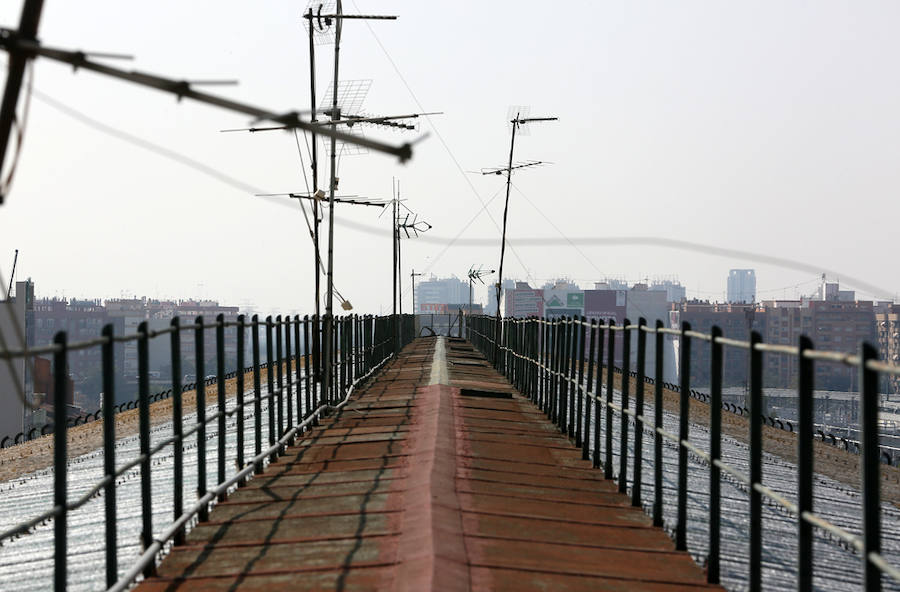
845, 358
540, 356
362, 345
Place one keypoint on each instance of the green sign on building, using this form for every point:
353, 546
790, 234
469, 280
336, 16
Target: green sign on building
575, 299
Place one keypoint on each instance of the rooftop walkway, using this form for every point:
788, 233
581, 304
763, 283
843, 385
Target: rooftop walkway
424, 483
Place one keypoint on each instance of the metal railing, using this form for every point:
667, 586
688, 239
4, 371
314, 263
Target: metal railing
361, 346
445, 324
548, 360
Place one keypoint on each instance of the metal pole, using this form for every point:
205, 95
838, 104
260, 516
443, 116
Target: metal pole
756, 452
684, 409
623, 426
329, 298
60, 456
512, 146
805, 458
395, 236
715, 453
870, 466
28, 27
144, 443
314, 157
109, 453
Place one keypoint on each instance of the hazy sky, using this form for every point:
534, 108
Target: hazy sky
769, 127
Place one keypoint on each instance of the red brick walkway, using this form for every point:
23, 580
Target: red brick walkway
418, 486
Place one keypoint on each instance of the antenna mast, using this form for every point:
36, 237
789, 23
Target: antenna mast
520, 118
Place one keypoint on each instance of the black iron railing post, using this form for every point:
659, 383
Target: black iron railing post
756, 452
177, 429
288, 374
590, 393
572, 374
331, 343
109, 455
358, 347
530, 363
610, 386
870, 472
543, 356
715, 454
639, 384
559, 383
684, 369
143, 348
580, 390
277, 328
534, 365
200, 397
220, 399
60, 461
337, 359
516, 340
805, 465
565, 391
626, 389
550, 370
298, 367
270, 384
307, 367
554, 378
659, 341
257, 395
239, 390
316, 364
598, 396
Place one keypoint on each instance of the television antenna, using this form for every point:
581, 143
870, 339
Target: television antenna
411, 229
22, 46
514, 167
476, 274
518, 117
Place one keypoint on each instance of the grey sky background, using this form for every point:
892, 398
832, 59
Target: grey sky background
768, 126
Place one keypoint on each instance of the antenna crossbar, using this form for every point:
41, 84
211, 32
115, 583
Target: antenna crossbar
12, 42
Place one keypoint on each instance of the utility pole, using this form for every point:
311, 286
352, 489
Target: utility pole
338, 18
516, 122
